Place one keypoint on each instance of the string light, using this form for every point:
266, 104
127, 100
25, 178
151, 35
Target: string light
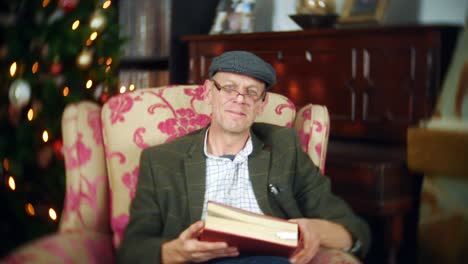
52, 214
106, 4
66, 91
93, 35
89, 84
123, 89
109, 61
45, 3
108, 68
75, 24
30, 114
13, 69
131, 87
45, 136
11, 183
29, 208
35, 67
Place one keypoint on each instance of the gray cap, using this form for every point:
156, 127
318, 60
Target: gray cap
245, 63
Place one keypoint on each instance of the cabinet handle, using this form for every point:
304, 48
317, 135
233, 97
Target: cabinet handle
365, 104
308, 56
279, 55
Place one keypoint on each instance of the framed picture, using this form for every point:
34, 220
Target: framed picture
234, 16
363, 11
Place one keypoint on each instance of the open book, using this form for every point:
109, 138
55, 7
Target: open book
251, 233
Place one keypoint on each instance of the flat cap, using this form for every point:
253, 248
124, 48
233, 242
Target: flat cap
245, 63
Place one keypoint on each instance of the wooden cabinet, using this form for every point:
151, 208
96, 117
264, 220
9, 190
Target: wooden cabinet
376, 82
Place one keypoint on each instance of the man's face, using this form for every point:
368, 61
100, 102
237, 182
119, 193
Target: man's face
236, 100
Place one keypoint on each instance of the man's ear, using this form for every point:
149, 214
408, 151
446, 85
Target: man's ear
207, 91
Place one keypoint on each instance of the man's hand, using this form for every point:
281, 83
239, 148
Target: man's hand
187, 248
310, 241
316, 233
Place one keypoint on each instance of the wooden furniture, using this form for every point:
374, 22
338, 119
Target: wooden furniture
375, 82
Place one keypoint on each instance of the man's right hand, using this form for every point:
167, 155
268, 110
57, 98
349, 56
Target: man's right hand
187, 248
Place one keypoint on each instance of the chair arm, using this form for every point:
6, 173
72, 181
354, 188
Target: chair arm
66, 247
334, 256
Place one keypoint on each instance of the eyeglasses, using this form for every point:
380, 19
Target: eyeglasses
232, 91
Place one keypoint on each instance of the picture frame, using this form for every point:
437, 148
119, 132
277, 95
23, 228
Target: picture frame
234, 16
363, 11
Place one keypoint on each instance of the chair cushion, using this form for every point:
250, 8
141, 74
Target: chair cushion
146, 117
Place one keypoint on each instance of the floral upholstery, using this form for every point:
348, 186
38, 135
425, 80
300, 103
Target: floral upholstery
102, 156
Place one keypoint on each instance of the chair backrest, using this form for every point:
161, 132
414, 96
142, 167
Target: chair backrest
146, 117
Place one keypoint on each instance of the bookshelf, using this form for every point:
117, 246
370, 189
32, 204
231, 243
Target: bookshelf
154, 54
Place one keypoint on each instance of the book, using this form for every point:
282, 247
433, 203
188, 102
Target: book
251, 233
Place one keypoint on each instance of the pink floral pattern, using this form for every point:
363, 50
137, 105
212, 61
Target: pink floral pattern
138, 138
185, 121
74, 200
304, 136
119, 224
94, 122
120, 105
76, 155
130, 181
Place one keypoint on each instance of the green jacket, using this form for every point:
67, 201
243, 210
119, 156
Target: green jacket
171, 189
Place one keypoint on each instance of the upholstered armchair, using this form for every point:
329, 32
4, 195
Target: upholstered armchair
102, 148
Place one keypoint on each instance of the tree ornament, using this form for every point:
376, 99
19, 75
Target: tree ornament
44, 156
84, 59
97, 21
3, 51
68, 5
98, 91
56, 68
19, 93
45, 51
14, 115
57, 147
104, 96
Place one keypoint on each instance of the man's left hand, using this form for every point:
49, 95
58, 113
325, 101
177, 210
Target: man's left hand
310, 241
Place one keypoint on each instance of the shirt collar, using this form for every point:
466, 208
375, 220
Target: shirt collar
240, 157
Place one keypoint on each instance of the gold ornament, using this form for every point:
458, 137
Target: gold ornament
316, 7
84, 59
20, 93
98, 21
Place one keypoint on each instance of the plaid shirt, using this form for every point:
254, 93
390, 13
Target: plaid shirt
228, 181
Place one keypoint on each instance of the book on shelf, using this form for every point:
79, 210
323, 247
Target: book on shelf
251, 233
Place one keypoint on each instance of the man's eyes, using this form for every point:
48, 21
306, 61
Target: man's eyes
232, 88
252, 92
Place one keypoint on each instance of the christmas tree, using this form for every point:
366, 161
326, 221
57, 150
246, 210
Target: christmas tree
52, 53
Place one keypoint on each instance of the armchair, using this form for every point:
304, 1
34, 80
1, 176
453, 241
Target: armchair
102, 148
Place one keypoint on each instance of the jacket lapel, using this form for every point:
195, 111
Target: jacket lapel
195, 174
259, 168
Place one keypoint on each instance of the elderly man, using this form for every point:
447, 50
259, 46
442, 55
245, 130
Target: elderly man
234, 161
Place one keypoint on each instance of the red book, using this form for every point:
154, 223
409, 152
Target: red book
251, 233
